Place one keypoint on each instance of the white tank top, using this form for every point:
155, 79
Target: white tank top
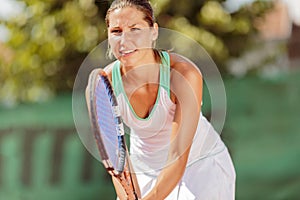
150, 136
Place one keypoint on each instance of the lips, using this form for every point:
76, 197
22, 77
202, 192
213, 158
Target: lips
127, 52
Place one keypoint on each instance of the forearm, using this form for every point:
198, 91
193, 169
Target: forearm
133, 184
119, 189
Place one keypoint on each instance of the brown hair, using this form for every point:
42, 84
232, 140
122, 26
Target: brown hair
142, 5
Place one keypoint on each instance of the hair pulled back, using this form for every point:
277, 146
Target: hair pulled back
142, 5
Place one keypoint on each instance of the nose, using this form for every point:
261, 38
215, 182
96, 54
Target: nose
125, 38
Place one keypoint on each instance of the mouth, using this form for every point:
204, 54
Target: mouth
127, 52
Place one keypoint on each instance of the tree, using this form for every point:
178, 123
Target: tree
221, 33
48, 41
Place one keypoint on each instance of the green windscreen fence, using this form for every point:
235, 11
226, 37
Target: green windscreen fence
42, 157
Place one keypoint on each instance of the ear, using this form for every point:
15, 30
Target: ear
155, 31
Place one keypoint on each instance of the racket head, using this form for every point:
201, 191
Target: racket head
106, 123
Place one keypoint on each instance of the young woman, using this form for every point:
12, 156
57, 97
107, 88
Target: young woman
175, 152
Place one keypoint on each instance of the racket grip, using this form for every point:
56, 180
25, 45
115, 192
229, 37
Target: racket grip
128, 186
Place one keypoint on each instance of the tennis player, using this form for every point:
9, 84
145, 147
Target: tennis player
175, 152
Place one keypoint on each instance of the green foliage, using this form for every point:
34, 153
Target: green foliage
48, 42
49, 39
221, 33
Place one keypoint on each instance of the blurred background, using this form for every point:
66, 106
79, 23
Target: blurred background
255, 44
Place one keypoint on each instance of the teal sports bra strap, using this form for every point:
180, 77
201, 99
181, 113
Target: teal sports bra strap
165, 71
116, 78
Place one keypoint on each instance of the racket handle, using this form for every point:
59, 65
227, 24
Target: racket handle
125, 180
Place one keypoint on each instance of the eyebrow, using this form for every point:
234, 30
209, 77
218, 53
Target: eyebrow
132, 25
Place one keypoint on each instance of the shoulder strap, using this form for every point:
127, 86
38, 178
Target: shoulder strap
165, 71
116, 78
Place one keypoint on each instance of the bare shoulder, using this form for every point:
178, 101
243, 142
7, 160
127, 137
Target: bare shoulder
182, 67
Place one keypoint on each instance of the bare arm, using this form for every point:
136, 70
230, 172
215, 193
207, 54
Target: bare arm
186, 84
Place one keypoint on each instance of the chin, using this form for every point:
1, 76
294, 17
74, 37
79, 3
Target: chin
129, 59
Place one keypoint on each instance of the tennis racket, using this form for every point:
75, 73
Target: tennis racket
108, 129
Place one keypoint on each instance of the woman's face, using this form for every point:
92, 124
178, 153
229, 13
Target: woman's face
130, 36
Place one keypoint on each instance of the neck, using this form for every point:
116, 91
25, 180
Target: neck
146, 71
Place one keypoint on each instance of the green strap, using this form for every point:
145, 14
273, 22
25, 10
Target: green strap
165, 71
116, 78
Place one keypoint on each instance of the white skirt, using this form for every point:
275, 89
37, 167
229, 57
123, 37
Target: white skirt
211, 178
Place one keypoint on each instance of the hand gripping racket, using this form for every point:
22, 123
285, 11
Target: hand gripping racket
108, 129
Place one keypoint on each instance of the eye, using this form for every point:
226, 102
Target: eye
135, 29
115, 31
